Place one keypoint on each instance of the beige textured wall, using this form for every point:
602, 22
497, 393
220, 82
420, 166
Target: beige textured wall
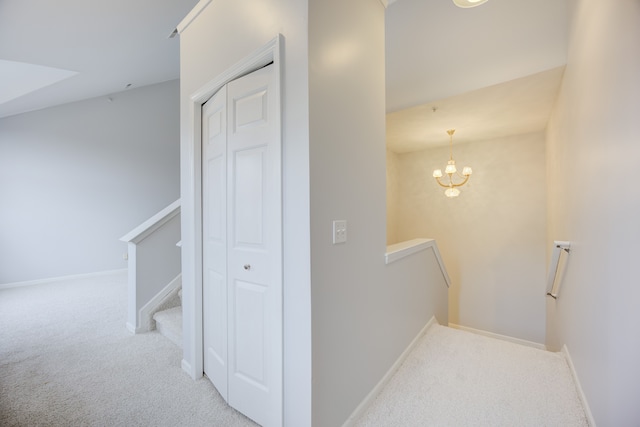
393, 186
492, 237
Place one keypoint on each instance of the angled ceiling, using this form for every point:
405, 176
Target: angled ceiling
70, 50
437, 55
516, 107
492, 70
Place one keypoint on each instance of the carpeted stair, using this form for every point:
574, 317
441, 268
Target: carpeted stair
169, 322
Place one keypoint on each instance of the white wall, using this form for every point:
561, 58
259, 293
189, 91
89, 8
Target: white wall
347, 154
76, 178
491, 237
364, 312
593, 152
223, 34
347, 316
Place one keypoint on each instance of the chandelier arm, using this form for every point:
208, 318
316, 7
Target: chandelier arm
462, 183
443, 185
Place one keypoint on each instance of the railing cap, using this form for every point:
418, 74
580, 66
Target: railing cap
149, 226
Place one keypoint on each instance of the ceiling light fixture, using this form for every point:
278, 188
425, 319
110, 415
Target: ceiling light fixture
451, 170
468, 3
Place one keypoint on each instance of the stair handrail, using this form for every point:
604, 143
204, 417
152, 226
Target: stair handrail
401, 250
149, 226
154, 268
553, 283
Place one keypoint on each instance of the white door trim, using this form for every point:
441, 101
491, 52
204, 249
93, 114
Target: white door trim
192, 200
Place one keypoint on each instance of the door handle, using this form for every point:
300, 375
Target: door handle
247, 267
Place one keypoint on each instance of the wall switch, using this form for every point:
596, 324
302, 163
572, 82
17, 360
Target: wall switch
125, 256
339, 231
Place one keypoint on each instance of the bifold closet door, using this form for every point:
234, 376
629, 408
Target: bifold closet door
214, 239
242, 183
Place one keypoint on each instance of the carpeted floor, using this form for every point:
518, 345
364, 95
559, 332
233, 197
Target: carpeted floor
66, 359
456, 378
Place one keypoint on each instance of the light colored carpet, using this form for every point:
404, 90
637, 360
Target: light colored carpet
456, 378
66, 359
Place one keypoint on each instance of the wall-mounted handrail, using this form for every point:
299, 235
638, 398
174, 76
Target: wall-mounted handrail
552, 281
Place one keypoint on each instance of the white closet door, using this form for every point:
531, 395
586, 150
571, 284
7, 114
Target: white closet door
254, 272
214, 239
242, 222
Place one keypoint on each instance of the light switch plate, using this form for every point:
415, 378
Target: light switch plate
339, 231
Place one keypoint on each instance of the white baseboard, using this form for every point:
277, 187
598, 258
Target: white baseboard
368, 400
499, 337
186, 366
581, 395
146, 312
131, 328
61, 279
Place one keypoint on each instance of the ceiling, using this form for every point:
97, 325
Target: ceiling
438, 55
55, 52
515, 107
490, 71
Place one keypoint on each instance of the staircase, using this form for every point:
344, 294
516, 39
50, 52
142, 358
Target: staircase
153, 266
154, 277
168, 320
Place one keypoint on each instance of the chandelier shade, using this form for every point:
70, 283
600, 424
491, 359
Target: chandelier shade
453, 178
468, 3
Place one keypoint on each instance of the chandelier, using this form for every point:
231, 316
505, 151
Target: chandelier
452, 172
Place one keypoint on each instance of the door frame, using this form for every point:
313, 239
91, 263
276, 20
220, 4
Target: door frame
191, 188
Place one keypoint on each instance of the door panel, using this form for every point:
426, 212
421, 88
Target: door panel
250, 109
214, 242
218, 332
255, 248
216, 169
249, 334
249, 196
